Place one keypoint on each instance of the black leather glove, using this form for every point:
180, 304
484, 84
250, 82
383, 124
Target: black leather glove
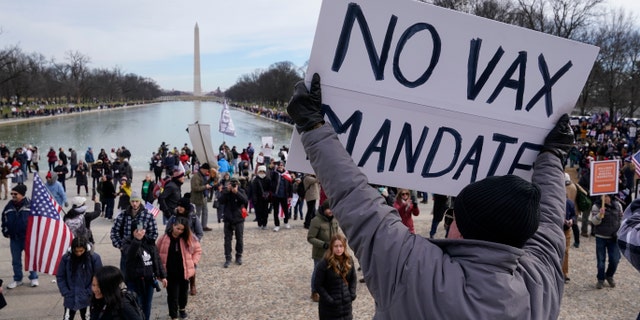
304, 106
560, 139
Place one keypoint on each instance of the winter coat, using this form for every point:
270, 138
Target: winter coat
75, 283
191, 253
122, 226
198, 187
14, 219
336, 296
321, 229
57, 191
311, 187
406, 212
79, 220
411, 277
129, 309
81, 174
143, 262
608, 226
233, 204
169, 197
260, 189
629, 234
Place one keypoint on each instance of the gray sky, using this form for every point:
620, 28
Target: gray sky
155, 38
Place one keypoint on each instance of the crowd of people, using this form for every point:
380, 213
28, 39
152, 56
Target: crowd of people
240, 181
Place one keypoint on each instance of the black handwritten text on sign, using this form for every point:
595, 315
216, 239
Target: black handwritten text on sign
474, 85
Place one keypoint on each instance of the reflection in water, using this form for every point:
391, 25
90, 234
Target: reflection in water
141, 129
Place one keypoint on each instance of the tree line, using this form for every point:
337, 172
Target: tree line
614, 82
31, 77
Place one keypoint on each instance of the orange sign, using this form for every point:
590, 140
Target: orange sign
604, 177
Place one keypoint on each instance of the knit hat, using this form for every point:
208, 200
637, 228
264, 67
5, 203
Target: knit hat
205, 166
21, 189
48, 175
184, 202
135, 196
504, 209
262, 168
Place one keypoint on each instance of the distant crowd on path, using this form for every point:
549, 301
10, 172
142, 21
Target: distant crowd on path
37, 109
270, 113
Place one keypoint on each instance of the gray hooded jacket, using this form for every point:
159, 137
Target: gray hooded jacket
411, 277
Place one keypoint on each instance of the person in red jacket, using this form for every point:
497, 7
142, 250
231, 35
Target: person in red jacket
406, 208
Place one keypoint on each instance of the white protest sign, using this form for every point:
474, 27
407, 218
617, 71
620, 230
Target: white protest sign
433, 99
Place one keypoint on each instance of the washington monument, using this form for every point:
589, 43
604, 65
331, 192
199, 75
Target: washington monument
197, 88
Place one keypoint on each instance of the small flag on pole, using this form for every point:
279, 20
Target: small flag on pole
226, 124
48, 237
636, 161
151, 208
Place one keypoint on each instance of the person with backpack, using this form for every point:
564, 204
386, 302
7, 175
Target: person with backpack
144, 271
79, 220
111, 300
171, 193
74, 277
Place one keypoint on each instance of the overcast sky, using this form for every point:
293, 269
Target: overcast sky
155, 38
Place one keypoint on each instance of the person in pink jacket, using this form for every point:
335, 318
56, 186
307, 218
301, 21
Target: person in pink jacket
406, 208
179, 252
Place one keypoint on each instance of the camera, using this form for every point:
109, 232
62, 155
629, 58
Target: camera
234, 184
156, 284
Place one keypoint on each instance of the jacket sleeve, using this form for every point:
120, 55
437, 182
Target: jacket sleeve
61, 277
546, 247
312, 235
116, 238
629, 234
387, 252
197, 251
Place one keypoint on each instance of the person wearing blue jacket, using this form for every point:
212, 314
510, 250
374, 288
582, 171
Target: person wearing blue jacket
506, 261
14, 227
75, 273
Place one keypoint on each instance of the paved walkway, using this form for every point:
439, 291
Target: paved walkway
273, 282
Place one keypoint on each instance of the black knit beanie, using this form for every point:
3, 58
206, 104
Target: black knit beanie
185, 203
504, 209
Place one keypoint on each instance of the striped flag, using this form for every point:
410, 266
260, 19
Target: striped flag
636, 161
48, 237
151, 208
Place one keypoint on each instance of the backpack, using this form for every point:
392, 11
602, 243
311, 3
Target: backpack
301, 191
583, 201
131, 298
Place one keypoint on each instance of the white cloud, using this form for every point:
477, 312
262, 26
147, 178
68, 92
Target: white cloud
128, 33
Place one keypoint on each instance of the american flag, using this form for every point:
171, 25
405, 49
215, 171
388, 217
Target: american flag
153, 210
48, 237
636, 161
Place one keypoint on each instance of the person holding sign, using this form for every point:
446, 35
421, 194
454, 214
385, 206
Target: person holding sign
505, 263
605, 216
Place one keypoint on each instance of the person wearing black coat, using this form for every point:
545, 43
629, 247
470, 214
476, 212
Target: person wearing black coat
144, 270
168, 199
233, 199
335, 281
